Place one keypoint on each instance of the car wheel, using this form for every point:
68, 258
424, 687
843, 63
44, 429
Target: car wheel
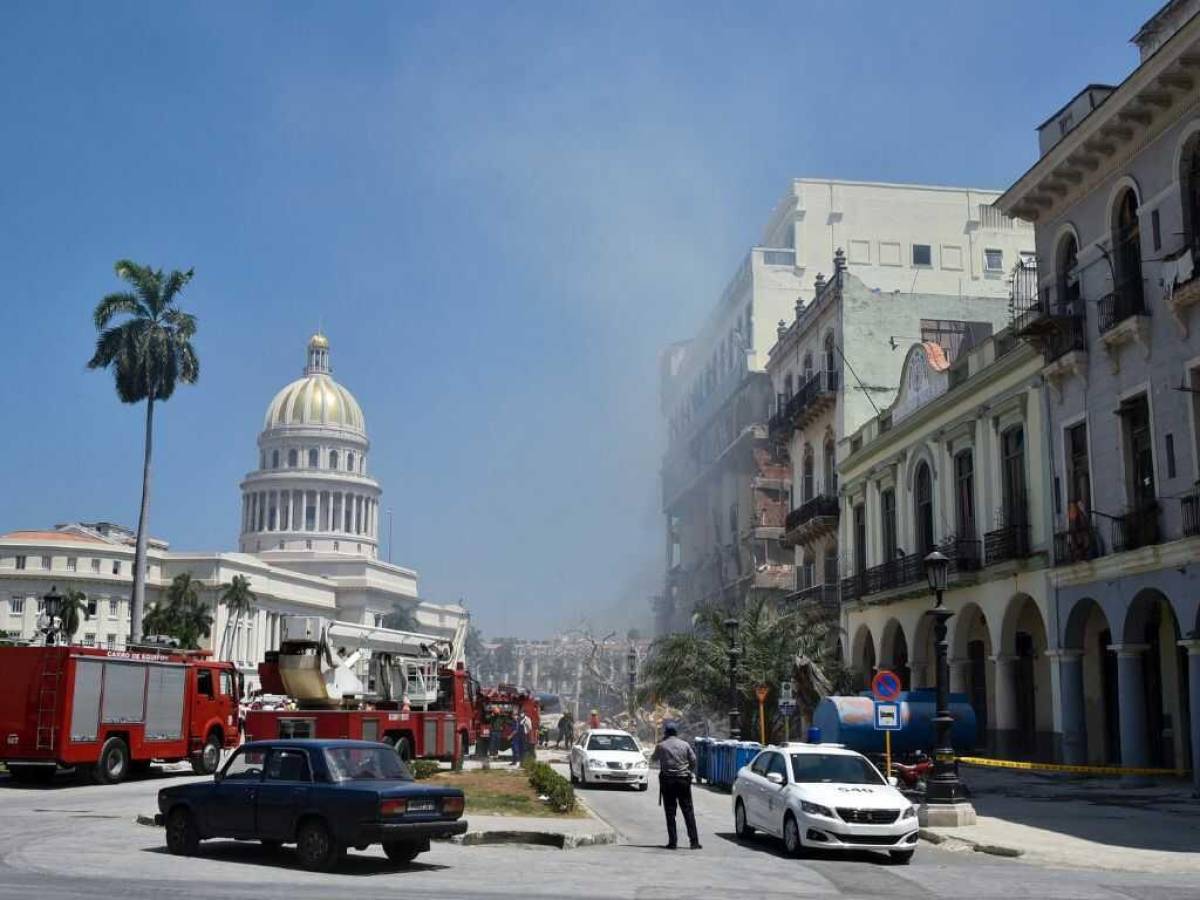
740, 827
901, 857
402, 852
571, 768
791, 836
182, 837
316, 847
113, 763
210, 757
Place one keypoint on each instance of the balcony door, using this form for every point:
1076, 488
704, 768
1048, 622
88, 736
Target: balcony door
923, 498
1127, 246
1013, 476
1138, 439
964, 494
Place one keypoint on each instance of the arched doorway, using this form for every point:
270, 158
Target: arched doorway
923, 506
862, 660
1151, 635
1067, 264
1093, 704
894, 652
971, 651
1024, 675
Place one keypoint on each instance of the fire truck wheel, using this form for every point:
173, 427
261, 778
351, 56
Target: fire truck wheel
113, 764
316, 848
182, 837
402, 852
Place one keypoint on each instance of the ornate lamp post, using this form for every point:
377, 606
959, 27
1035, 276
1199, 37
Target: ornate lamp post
735, 728
945, 800
52, 609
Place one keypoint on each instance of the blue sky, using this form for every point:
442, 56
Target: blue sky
499, 212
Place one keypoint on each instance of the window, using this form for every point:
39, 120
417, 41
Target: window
922, 255
89, 640
788, 388
288, 765
96, 566
887, 508
830, 467
777, 766
1170, 446
1190, 190
807, 483
227, 683
72, 563
1127, 252
964, 493
116, 567
293, 459
246, 765
45, 562
333, 459
111, 642
20, 562
314, 458
830, 768
830, 357
308, 545
1013, 476
16, 606
993, 260
114, 607
91, 607
1079, 480
760, 764
1155, 230
923, 490
1139, 453
350, 461
613, 742
808, 366
204, 683
1067, 275
366, 763
860, 539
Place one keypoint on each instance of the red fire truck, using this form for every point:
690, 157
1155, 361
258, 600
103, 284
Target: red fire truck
417, 694
113, 712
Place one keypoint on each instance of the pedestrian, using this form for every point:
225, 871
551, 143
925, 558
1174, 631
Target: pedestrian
566, 730
494, 737
676, 767
594, 719
518, 738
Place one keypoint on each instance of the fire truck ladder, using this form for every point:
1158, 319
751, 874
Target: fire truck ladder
47, 700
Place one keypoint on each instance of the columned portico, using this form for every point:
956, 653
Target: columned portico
1131, 700
1068, 672
1192, 646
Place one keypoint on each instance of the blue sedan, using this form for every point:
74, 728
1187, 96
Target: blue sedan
324, 796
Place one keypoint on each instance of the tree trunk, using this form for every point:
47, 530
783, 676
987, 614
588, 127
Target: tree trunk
137, 603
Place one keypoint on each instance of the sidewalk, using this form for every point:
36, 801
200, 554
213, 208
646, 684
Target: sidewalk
1083, 822
565, 834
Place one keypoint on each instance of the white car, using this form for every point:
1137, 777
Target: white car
609, 756
823, 795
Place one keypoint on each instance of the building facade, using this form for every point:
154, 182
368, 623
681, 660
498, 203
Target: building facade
1111, 305
726, 486
308, 541
956, 463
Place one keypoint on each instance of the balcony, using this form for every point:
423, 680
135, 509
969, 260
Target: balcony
1137, 528
1009, 542
811, 520
1189, 508
1080, 542
816, 395
824, 596
907, 570
1125, 302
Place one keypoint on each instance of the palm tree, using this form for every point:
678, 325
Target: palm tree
691, 669
74, 612
148, 352
189, 615
158, 620
238, 601
401, 618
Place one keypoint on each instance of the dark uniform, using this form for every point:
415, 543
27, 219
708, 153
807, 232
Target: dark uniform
676, 763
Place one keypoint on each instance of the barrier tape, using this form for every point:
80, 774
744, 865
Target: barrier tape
1074, 770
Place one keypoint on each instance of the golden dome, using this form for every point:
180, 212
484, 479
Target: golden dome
315, 400
319, 340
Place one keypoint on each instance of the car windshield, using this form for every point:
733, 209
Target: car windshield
833, 768
612, 742
366, 764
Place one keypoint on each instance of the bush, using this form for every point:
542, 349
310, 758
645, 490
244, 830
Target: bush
424, 768
546, 781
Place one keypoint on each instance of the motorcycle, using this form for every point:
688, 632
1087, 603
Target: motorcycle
913, 775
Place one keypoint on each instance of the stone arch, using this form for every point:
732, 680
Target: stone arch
924, 654
1124, 223
893, 651
863, 661
1151, 632
1022, 679
1187, 172
1066, 275
971, 649
1088, 633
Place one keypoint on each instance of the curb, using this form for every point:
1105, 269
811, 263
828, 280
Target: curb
556, 839
954, 842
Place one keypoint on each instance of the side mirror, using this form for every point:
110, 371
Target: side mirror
775, 778
893, 781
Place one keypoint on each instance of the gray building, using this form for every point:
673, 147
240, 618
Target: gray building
1111, 305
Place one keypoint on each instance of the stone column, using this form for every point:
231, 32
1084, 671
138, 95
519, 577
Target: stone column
1004, 716
1193, 652
1069, 666
1131, 704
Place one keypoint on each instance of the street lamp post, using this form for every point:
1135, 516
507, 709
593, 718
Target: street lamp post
735, 728
945, 797
52, 609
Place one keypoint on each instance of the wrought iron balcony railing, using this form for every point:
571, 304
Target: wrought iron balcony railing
1189, 508
1126, 300
1136, 528
824, 506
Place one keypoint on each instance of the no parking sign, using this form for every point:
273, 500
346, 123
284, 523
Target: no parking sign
886, 686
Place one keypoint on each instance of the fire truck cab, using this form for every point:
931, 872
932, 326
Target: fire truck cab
112, 712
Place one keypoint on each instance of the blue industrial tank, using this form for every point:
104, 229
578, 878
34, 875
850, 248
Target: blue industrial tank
851, 721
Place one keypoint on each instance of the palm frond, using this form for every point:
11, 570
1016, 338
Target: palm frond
174, 283
123, 303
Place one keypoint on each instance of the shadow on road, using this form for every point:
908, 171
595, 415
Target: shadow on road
762, 843
254, 854
82, 778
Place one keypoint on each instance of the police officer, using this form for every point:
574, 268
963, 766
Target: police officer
676, 765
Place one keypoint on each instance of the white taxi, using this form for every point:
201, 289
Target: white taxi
823, 795
609, 756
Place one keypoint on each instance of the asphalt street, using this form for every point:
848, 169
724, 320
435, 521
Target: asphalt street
71, 840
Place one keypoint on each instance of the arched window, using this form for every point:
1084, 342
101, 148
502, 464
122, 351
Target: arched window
333, 459
808, 472
923, 498
830, 353
830, 468
293, 458
1127, 253
789, 387
350, 460
274, 459
314, 458
1068, 277
1189, 187
808, 366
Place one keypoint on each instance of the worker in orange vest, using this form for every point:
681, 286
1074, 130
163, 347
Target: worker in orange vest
594, 719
